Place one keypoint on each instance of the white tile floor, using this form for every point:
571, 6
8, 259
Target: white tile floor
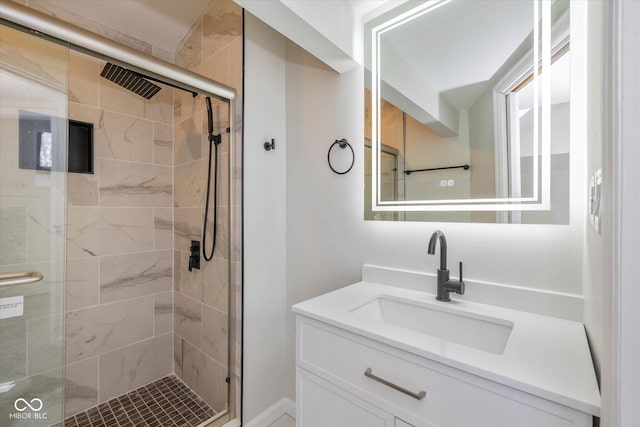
284, 421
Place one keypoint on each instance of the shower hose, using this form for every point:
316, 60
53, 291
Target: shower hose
214, 140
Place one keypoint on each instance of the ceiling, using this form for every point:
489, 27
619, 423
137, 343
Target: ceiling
161, 23
460, 46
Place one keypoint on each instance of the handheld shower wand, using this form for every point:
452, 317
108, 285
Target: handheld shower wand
214, 140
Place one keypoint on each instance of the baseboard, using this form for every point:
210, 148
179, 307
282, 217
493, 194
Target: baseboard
272, 413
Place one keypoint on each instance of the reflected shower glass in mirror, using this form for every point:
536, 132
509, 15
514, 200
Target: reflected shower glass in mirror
467, 112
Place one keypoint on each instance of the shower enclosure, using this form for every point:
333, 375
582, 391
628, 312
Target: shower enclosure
101, 322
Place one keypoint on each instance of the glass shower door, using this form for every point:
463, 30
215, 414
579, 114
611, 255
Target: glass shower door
33, 145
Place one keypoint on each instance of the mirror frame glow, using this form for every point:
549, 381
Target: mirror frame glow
542, 94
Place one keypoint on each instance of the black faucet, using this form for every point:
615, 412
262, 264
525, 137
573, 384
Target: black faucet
445, 285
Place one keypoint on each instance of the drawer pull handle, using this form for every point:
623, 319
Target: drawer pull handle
418, 396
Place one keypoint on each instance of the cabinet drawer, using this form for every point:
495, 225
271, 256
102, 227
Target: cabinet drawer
322, 404
453, 398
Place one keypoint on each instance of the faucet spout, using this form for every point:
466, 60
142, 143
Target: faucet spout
433, 241
445, 285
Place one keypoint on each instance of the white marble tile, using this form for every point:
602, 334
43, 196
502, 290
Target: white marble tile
45, 233
162, 54
187, 226
133, 366
82, 280
215, 334
160, 107
13, 357
163, 313
185, 105
124, 137
54, 9
223, 179
222, 234
177, 106
40, 59
45, 343
47, 387
163, 228
216, 284
108, 231
191, 184
216, 67
163, 144
81, 386
187, 139
177, 355
116, 98
96, 330
189, 52
176, 269
134, 275
205, 376
235, 65
13, 245
82, 189
191, 282
187, 318
84, 76
133, 184
222, 23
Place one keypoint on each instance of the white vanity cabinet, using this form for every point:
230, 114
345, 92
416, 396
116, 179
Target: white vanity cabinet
333, 390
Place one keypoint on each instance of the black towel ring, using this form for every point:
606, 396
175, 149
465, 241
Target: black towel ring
342, 143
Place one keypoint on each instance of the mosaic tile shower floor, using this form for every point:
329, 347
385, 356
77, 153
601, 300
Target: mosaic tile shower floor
167, 402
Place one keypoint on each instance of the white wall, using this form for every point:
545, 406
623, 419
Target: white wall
325, 237
327, 240
264, 219
327, 28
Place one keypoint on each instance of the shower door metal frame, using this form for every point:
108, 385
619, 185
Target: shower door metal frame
85, 41
51, 28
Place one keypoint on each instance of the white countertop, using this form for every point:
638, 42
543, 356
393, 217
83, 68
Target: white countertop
544, 356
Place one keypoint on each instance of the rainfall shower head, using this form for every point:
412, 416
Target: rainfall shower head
130, 80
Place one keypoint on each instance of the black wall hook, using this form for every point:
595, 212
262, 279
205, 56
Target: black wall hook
270, 145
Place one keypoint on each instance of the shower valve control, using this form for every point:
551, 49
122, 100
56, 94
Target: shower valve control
194, 257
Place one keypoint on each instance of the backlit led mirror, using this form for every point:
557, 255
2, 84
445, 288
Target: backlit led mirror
467, 112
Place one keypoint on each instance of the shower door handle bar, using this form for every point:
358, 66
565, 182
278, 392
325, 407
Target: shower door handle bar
418, 396
20, 278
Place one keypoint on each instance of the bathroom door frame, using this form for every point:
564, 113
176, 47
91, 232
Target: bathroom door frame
621, 228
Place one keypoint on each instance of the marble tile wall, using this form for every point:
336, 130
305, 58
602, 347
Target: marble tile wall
50, 7
206, 315
119, 317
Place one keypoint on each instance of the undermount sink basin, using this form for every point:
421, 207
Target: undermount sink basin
469, 329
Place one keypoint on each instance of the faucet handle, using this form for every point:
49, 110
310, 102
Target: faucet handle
460, 290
